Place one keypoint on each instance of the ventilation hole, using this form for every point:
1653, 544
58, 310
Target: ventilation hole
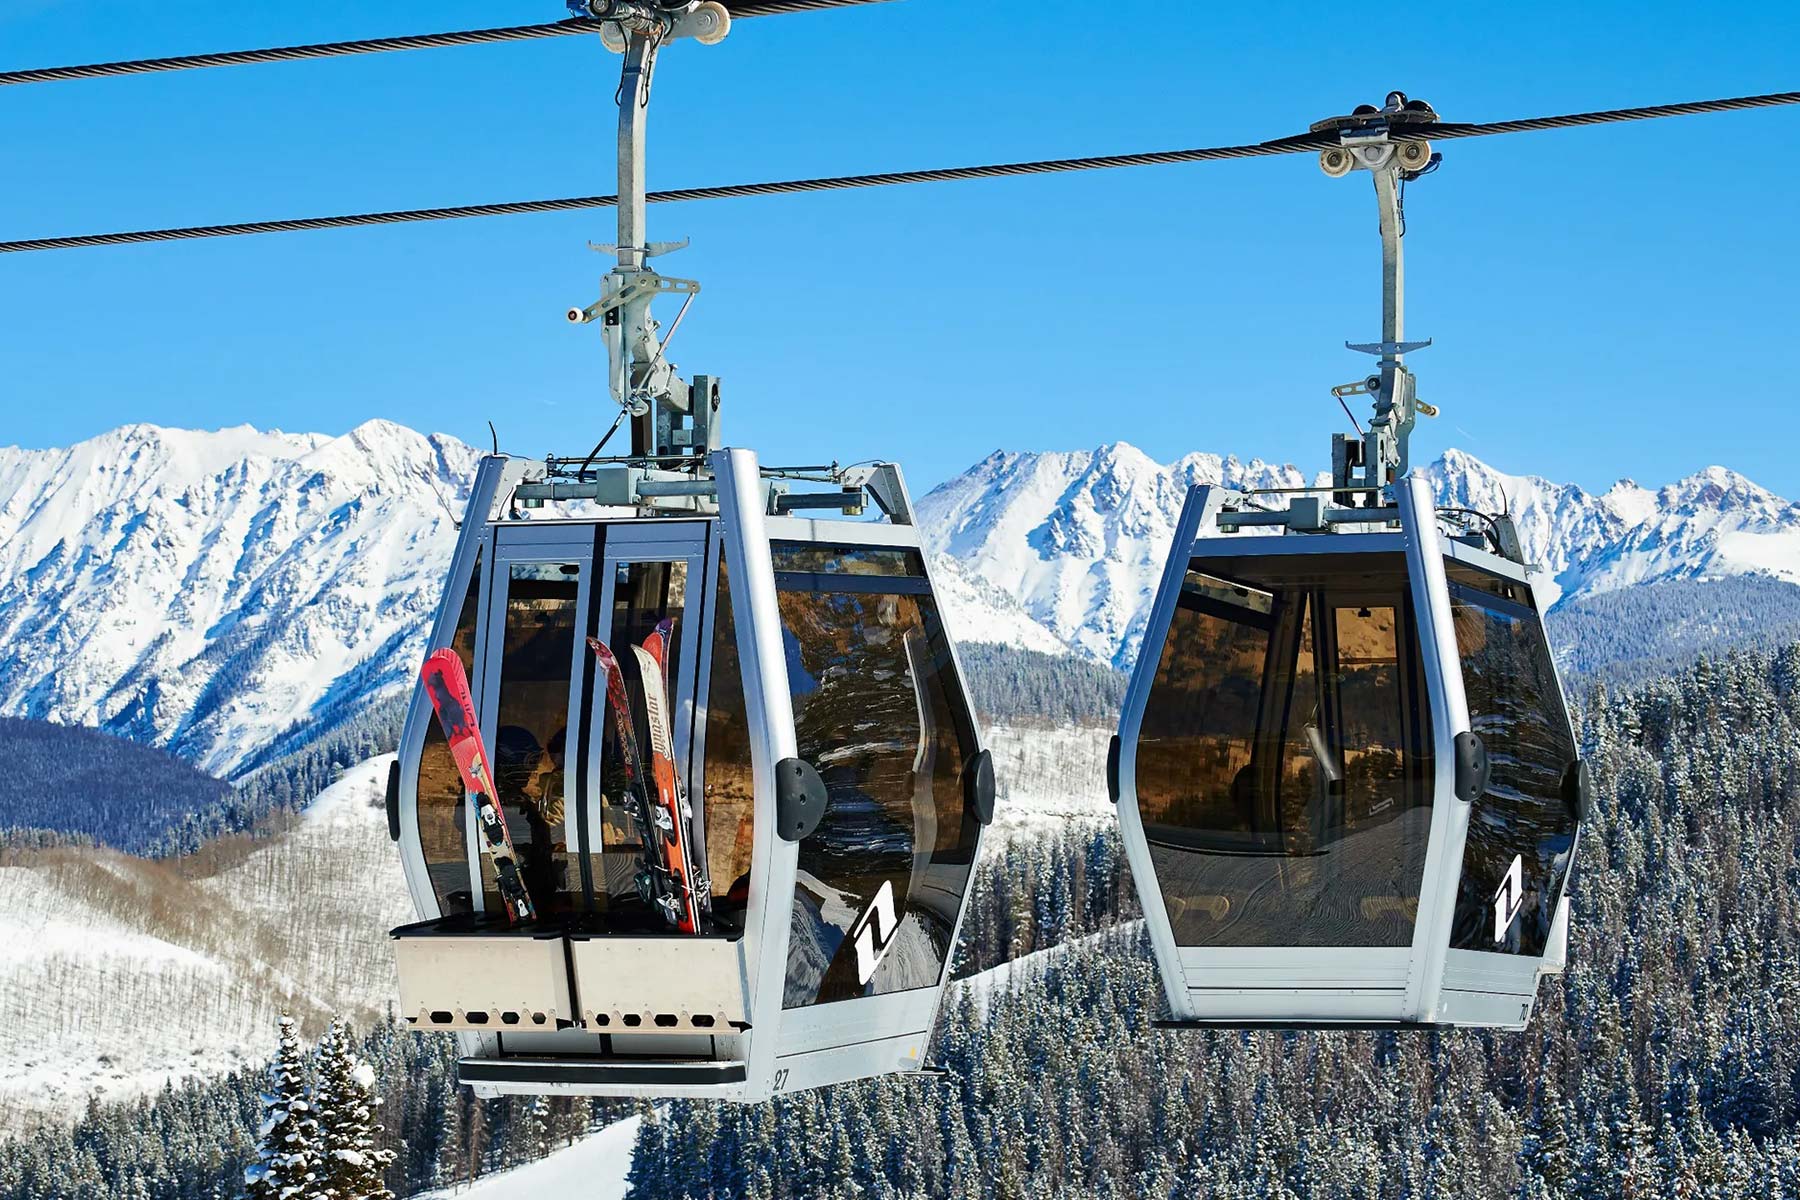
412, 1020
602, 1019
667, 1020
442, 1018
702, 1022
509, 1018
537, 1018
633, 1020
475, 1018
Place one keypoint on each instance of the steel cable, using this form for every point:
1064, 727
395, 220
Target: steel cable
424, 41
1288, 145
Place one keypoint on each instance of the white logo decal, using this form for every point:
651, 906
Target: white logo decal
874, 933
1510, 898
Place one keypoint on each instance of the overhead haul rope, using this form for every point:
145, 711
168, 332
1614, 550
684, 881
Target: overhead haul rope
1289, 145
424, 41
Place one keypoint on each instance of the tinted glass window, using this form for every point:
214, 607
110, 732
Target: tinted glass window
730, 786
644, 595
530, 745
1284, 759
878, 710
1517, 709
442, 802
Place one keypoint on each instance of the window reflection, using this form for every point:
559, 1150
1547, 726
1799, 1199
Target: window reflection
442, 799
1284, 758
1516, 707
877, 709
644, 595
730, 785
531, 732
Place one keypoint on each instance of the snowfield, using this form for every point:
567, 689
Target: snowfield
592, 1169
120, 973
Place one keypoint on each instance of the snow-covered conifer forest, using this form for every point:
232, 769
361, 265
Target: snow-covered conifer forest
1663, 1063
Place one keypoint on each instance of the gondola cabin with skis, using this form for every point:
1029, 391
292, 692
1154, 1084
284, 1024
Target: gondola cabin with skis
690, 795
702, 818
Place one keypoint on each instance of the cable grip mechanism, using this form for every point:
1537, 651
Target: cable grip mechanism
706, 21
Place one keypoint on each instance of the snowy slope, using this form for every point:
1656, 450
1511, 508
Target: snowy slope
1078, 539
592, 1169
203, 592
119, 972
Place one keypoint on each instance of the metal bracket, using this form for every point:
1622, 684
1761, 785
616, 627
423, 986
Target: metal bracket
664, 417
1387, 142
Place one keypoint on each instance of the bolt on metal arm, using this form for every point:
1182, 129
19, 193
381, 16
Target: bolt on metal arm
1369, 143
669, 416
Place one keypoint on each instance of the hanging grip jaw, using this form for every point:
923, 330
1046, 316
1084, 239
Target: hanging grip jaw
1389, 143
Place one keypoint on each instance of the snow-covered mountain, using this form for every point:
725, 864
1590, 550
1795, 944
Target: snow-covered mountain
203, 592
1078, 539
211, 592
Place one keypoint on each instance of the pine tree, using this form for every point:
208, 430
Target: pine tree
285, 1167
351, 1163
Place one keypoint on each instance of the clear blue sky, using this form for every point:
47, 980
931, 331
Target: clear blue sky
1605, 303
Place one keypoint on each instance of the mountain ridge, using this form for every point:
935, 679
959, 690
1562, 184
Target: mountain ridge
211, 592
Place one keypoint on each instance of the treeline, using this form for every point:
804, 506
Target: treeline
195, 1141
68, 785
1008, 684
1637, 634
80, 787
194, 1137
1665, 1062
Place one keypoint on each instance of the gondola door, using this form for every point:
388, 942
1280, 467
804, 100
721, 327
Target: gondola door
653, 575
529, 694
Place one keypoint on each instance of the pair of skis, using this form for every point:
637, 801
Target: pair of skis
669, 881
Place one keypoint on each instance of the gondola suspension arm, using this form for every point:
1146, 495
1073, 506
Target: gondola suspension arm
642, 380
1368, 141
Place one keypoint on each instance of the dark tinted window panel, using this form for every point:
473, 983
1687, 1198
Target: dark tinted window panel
442, 801
809, 558
1516, 707
644, 595
531, 734
879, 711
1284, 764
730, 785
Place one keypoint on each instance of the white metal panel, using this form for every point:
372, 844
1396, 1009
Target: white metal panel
1474, 556
652, 984
1300, 966
897, 1054
1288, 1005
1449, 717
866, 1019
838, 533
493, 977
769, 716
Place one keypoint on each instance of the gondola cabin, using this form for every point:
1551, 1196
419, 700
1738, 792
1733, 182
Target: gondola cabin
824, 743
1348, 783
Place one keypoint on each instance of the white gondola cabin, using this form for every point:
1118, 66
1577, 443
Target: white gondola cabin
837, 783
1348, 783
1347, 780
819, 739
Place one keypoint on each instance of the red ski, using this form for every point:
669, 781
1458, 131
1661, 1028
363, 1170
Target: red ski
667, 880
671, 796
448, 686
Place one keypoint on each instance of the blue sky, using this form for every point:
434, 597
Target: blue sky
1605, 303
